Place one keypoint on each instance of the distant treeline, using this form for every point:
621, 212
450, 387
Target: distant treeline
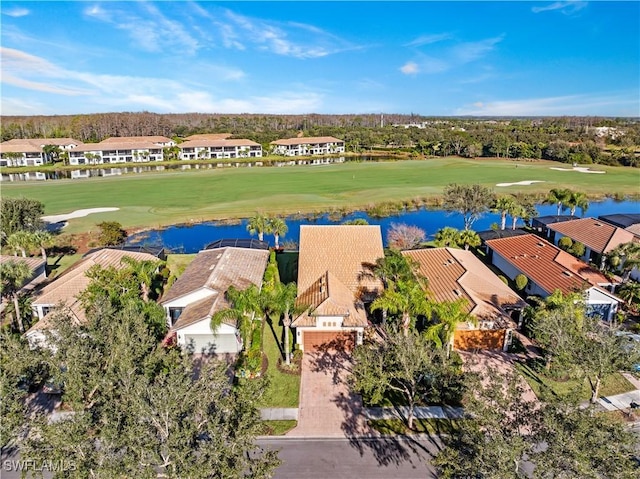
583, 140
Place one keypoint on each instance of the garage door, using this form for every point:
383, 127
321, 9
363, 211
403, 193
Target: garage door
338, 340
468, 340
210, 344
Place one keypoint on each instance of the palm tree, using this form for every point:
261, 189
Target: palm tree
258, 224
21, 241
145, 271
469, 238
42, 239
392, 268
244, 304
630, 292
624, 258
277, 227
516, 211
448, 237
13, 275
557, 196
577, 200
280, 301
407, 299
502, 205
448, 315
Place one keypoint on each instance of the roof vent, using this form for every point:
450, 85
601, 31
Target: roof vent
540, 244
597, 224
567, 273
457, 292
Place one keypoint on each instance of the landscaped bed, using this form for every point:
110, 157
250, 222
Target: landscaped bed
277, 428
284, 388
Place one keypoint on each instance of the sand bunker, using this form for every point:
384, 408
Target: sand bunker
520, 183
76, 214
579, 169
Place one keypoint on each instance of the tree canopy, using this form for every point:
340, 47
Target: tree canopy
471, 201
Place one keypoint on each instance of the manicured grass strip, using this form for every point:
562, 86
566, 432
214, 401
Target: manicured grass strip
614, 384
277, 428
420, 426
157, 199
59, 264
284, 389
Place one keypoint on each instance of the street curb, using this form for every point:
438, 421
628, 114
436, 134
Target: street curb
352, 438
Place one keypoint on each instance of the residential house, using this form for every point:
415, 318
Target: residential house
65, 290
322, 145
548, 269
628, 221
598, 237
199, 293
30, 151
333, 286
455, 274
206, 149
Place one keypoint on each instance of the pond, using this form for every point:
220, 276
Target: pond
193, 237
147, 168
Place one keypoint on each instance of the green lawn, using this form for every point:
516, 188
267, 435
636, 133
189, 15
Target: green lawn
277, 428
156, 199
614, 384
284, 389
177, 263
420, 426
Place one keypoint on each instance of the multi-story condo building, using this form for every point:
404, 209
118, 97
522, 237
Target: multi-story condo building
131, 149
205, 149
33, 151
321, 145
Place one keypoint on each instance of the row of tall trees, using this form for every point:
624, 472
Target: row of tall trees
565, 198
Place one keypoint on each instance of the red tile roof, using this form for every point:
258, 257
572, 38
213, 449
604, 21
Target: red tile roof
205, 142
595, 234
546, 265
307, 140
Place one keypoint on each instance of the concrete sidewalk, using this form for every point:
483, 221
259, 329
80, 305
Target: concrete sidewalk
422, 412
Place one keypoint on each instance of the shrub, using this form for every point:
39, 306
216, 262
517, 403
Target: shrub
565, 243
111, 233
521, 282
578, 249
503, 279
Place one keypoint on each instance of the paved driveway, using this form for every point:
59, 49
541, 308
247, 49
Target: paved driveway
327, 408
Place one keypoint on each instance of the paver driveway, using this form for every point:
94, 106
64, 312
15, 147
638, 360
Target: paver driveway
327, 408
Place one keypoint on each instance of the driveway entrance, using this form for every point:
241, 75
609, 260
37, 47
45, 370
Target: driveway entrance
327, 408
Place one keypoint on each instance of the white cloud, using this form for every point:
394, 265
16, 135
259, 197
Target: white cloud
428, 39
150, 30
16, 12
122, 92
471, 51
566, 7
559, 105
410, 68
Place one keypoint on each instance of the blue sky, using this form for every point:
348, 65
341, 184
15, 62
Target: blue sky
429, 58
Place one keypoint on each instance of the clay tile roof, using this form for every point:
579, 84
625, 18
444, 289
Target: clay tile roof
546, 265
308, 140
217, 269
205, 142
455, 274
66, 288
201, 309
122, 145
33, 262
208, 136
344, 250
595, 234
327, 296
25, 144
136, 139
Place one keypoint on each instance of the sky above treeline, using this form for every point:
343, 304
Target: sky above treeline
429, 58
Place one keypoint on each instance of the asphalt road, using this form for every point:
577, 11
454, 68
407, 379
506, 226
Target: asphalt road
382, 458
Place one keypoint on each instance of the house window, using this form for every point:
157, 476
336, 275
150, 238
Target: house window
174, 314
46, 310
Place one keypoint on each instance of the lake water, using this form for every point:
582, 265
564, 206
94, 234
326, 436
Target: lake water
149, 168
192, 238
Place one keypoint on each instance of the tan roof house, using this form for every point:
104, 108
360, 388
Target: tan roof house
205, 148
455, 274
331, 284
304, 146
64, 291
200, 292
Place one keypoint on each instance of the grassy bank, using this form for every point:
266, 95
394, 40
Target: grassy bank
153, 200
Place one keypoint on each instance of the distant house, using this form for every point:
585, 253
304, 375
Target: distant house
200, 291
332, 286
548, 269
598, 237
322, 145
455, 274
30, 151
64, 291
128, 149
206, 149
